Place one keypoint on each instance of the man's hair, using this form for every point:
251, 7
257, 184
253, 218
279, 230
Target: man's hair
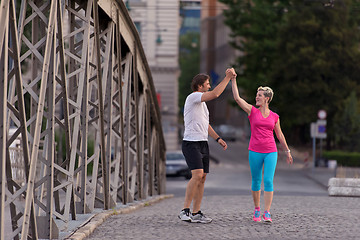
268, 92
198, 80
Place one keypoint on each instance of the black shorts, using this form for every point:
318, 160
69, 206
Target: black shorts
196, 154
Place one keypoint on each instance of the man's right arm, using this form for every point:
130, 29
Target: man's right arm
210, 95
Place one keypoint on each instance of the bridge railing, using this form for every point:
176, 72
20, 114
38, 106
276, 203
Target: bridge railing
76, 87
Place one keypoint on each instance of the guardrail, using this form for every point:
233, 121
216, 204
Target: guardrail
76, 87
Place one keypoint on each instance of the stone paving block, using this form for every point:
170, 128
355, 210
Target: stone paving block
300, 217
344, 187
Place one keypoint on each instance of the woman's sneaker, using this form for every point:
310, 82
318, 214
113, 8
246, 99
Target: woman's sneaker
267, 217
199, 217
257, 215
185, 215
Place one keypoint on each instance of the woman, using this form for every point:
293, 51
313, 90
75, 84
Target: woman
262, 146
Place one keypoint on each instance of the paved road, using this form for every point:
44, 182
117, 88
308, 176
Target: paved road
307, 217
301, 209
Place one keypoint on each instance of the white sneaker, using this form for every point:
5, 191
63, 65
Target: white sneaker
185, 215
199, 217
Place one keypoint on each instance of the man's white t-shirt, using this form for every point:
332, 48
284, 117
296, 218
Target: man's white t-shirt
196, 118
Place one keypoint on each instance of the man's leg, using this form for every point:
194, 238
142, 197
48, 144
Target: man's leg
199, 194
193, 186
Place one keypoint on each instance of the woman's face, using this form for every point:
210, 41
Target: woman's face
260, 99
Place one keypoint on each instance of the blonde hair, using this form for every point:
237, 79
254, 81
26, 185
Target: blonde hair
268, 92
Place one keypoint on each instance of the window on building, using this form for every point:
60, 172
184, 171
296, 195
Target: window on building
191, 22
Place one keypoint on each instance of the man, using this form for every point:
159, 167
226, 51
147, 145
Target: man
195, 142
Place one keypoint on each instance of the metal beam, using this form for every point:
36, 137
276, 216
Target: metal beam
77, 89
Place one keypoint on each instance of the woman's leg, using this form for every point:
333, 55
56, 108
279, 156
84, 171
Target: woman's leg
269, 172
256, 198
268, 197
256, 162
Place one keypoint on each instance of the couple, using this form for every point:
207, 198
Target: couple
262, 147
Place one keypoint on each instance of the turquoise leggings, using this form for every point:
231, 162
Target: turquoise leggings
256, 161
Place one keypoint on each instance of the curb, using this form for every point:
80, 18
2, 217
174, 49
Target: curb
349, 187
88, 227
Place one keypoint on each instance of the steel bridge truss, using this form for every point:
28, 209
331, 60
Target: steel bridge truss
76, 88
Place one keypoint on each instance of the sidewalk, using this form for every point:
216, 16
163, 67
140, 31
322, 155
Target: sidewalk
320, 175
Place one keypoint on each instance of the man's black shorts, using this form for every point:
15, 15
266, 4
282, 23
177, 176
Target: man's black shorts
196, 154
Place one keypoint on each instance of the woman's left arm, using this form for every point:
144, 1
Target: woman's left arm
282, 140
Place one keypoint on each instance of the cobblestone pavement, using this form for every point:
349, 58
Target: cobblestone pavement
294, 217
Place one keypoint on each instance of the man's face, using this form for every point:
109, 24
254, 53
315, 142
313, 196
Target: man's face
205, 87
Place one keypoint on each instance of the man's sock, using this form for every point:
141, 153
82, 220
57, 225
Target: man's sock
195, 213
186, 209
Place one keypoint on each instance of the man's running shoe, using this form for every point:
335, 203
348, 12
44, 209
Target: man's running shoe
185, 215
257, 216
267, 217
199, 217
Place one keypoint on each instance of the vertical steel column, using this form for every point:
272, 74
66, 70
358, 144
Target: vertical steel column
38, 122
104, 163
19, 117
136, 99
127, 104
121, 107
147, 141
107, 86
46, 227
4, 10
78, 83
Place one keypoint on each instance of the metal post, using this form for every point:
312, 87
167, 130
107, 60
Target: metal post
321, 143
314, 152
101, 109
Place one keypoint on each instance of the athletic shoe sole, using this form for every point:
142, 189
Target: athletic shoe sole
200, 221
185, 218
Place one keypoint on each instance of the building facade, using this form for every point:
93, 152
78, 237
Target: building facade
158, 24
216, 56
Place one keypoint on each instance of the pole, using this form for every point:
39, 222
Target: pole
314, 152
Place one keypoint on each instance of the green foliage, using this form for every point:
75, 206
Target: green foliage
316, 64
61, 150
307, 51
347, 127
189, 60
254, 25
345, 159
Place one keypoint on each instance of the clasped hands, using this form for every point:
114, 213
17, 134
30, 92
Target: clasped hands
230, 72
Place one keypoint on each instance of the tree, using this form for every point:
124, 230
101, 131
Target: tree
316, 65
347, 127
189, 61
254, 25
307, 51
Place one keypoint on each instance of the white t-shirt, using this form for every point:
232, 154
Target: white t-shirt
196, 118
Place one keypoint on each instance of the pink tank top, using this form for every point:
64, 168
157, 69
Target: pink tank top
262, 131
